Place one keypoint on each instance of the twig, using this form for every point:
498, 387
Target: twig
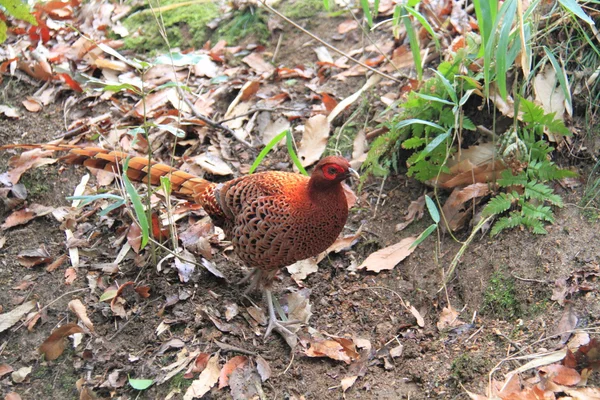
52, 302
229, 347
530, 280
324, 43
207, 120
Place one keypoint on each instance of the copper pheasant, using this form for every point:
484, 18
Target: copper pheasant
273, 218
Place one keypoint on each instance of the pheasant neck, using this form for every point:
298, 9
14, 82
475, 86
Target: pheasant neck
319, 190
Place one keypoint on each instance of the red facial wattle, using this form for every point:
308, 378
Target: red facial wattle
332, 171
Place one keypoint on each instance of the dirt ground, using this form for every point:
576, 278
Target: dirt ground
502, 288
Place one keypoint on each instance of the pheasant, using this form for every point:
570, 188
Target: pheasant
273, 218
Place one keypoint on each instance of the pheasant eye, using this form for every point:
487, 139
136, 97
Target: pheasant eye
332, 171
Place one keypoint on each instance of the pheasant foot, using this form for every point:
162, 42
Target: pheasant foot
279, 326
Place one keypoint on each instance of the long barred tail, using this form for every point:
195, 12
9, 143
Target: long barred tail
139, 169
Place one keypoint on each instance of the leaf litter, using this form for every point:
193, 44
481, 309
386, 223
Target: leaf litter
258, 86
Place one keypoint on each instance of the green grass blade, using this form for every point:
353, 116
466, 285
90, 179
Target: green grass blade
510, 7
561, 76
412, 121
138, 207
424, 235
425, 24
433, 145
365, 7
413, 40
290, 146
574, 8
266, 150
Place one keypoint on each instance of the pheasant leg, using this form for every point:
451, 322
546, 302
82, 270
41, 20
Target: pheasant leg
274, 323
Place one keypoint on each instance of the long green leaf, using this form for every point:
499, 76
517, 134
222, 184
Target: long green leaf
367, 11
290, 146
503, 42
138, 207
425, 24
266, 150
561, 75
412, 121
413, 40
424, 235
433, 145
573, 7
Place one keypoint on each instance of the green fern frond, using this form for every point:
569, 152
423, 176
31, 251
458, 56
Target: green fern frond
508, 222
508, 179
538, 212
542, 192
498, 204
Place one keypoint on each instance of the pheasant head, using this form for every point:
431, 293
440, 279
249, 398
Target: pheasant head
330, 172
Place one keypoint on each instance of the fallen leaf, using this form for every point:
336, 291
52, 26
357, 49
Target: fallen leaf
27, 160
454, 209
567, 324
20, 375
79, 309
213, 164
229, 367
207, 379
347, 26
9, 112
562, 375
301, 269
5, 369
389, 257
25, 215
448, 318
336, 349
70, 275
30, 258
257, 63
263, 368
54, 346
10, 318
12, 396
314, 140
415, 210
347, 382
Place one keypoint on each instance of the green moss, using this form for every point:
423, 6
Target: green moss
500, 298
466, 367
179, 382
297, 9
36, 181
185, 26
249, 23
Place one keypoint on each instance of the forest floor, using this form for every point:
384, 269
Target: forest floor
506, 291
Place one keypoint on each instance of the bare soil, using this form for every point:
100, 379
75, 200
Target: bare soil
433, 364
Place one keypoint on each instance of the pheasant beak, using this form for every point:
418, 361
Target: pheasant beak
353, 173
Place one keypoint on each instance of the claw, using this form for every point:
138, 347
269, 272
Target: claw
279, 326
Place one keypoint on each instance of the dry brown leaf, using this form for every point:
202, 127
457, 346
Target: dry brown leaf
213, 164
12, 396
314, 140
347, 26
347, 382
5, 369
54, 346
448, 318
567, 324
70, 275
390, 256
263, 368
301, 269
9, 112
79, 309
207, 379
340, 349
56, 263
27, 160
21, 374
416, 209
32, 104
454, 208
258, 64
10, 318
229, 367
562, 375
31, 258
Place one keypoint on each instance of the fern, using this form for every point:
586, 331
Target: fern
529, 202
